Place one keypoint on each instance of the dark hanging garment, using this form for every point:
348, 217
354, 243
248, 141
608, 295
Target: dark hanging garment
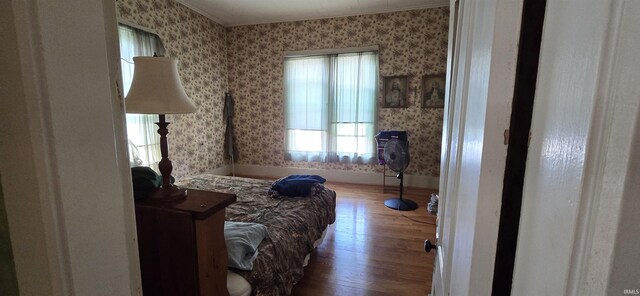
229, 137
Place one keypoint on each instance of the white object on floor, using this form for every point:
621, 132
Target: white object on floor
315, 245
238, 286
432, 207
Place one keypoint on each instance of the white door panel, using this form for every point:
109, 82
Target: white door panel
481, 71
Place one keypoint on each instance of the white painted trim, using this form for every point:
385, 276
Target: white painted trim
611, 154
435, 4
599, 140
479, 110
201, 11
64, 164
302, 53
562, 204
31, 194
341, 176
222, 171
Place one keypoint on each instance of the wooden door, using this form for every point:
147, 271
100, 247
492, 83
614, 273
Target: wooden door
481, 76
448, 160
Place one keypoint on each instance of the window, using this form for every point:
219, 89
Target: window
144, 141
330, 107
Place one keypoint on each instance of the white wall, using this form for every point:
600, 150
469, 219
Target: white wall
63, 161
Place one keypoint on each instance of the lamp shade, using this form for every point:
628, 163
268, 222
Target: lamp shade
156, 88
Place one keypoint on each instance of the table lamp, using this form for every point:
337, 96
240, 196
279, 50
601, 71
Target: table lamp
156, 89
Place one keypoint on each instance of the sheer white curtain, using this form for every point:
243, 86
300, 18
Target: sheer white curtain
307, 104
144, 141
330, 107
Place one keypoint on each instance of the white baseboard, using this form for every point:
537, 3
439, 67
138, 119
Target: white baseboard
223, 170
341, 176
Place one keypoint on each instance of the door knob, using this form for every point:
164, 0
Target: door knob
428, 246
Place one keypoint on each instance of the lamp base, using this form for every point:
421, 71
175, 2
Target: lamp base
167, 194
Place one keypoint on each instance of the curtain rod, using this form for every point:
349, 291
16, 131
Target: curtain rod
312, 52
136, 26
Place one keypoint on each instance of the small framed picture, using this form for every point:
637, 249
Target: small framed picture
433, 91
395, 92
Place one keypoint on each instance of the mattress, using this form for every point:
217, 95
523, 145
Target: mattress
294, 225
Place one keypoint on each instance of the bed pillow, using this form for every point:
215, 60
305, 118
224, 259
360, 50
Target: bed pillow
242, 241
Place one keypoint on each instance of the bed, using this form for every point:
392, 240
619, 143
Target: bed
295, 226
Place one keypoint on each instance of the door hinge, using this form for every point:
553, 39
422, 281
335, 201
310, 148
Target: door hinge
506, 137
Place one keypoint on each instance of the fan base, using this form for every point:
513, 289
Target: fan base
400, 204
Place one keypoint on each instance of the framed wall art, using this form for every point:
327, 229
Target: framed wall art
433, 91
394, 92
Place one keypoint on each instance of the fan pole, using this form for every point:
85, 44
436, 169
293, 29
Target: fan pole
398, 203
401, 175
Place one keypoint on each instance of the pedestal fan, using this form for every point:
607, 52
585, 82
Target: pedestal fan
396, 156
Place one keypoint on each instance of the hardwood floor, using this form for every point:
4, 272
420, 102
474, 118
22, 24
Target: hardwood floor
371, 249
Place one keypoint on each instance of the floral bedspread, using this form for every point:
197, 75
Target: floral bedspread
294, 223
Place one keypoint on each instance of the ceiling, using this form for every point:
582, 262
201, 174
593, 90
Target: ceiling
246, 12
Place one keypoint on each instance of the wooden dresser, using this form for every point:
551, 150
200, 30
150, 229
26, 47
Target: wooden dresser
181, 245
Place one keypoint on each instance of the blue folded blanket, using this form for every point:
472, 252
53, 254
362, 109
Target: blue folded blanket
296, 185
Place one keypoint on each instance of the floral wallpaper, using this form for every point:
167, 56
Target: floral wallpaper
250, 58
410, 43
195, 140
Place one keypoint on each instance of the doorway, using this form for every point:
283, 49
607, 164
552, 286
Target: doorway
517, 137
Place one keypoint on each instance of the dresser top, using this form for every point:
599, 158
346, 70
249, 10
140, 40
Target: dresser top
201, 204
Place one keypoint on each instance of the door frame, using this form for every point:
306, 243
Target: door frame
439, 287
473, 151
65, 171
518, 138
588, 176
612, 167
